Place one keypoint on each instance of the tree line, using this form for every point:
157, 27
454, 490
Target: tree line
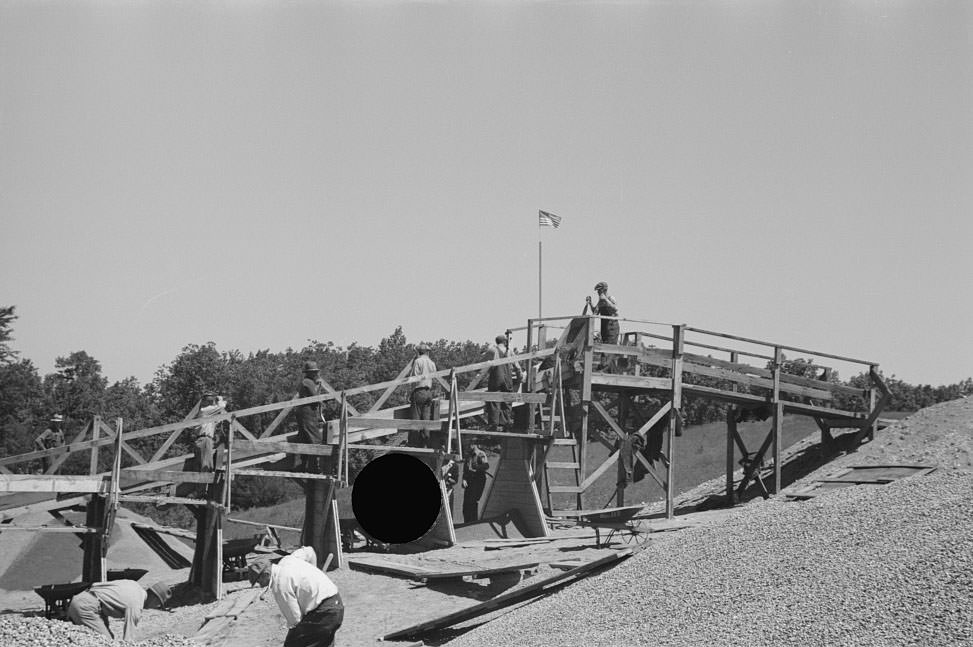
78, 390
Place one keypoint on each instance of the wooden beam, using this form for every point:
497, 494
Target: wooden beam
159, 453
63, 457
74, 530
641, 382
394, 423
306, 449
51, 483
393, 448
389, 391
502, 396
678, 335
291, 475
140, 476
125, 447
281, 415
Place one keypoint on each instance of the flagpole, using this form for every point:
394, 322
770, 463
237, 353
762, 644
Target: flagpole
540, 275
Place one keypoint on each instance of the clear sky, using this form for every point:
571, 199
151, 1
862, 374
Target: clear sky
259, 174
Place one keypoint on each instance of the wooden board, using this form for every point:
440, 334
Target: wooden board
52, 483
507, 599
421, 573
860, 475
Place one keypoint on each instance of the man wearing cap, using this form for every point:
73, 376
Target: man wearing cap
307, 598
606, 307
422, 367
309, 417
211, 405
501, 378
116, 599
51, 437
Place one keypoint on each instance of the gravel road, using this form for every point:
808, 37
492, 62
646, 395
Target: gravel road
862, 566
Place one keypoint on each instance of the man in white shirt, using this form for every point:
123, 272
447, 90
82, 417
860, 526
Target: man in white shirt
210, 406
421, 398
307, 598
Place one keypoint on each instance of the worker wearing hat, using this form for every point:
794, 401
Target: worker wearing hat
421, 399
606, 307
503, 377
116, 599
306, 597
210, 405
51, 437
309, 418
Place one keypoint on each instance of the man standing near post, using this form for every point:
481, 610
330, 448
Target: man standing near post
306, 597
421, 398
309, 419
501, 378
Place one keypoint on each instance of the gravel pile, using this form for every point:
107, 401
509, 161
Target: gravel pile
861, 566
41, 632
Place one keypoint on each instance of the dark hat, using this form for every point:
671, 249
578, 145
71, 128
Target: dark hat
256, 569
310, 366
501, 339
601, 286
162, 591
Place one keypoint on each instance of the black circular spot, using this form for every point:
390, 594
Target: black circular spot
396, 498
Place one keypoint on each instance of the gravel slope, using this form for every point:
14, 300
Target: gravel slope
859, 566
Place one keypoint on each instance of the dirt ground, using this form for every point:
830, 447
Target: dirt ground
378, 604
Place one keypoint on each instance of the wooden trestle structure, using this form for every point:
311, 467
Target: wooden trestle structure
571, 376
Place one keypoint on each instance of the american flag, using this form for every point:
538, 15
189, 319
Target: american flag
545, 219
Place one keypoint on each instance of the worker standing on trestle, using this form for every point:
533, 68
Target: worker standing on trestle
606, 307
504, 378
309, 416
306, 597
51, 437
210, 406
421, 398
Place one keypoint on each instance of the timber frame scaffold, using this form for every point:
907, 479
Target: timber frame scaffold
571, 375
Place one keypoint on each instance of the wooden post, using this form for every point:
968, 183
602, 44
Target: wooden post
93, 566
342, 426
531, 409
678, 333
95, 433
873, 369
778, 418
731, 431
585, 402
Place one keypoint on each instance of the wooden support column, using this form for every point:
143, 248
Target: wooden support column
678, 333
731, 433
872, 399
778, 418
531, 408
94, 543
585, 403
321, 530
95, 432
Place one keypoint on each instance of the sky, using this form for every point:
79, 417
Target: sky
261, 174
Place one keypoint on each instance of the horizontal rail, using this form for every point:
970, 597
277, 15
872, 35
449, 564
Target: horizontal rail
781, 346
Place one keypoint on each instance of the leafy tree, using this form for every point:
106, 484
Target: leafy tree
7, 318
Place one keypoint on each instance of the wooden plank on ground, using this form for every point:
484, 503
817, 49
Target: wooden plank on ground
507, 599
